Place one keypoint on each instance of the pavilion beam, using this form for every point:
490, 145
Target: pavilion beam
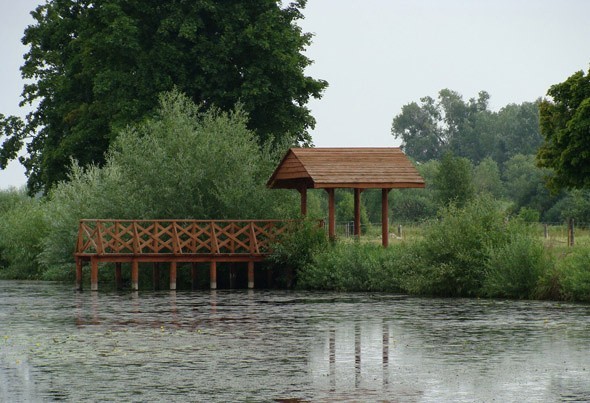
385, 217
357, 212
303, 192
331, 214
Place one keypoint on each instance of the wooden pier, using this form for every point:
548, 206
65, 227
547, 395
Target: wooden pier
173, 242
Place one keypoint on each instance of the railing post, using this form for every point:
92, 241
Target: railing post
99, 243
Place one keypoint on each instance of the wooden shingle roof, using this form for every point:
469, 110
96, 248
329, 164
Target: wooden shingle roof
363, 168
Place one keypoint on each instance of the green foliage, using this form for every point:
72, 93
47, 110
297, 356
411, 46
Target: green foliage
524, 182
22, 228
451, 258
574, 274
486, 178
517, 131
95, 67
181, 163
565, 125
298, 246
454, 181
345, 207
513, 269
529, 215
352, 267
467, 129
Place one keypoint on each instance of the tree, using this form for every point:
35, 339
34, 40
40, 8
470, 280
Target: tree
419, 128
97, 67
454, 181
486, 178
517, 130
434, 127
524, 183
565, 126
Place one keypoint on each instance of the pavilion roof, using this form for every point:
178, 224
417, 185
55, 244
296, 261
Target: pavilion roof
364, 168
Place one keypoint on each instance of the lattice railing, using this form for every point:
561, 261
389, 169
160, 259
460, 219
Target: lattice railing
177, 237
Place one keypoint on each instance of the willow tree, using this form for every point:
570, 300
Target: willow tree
94, 67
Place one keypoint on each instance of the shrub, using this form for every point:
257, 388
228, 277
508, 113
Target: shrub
298, 246
22, 229
575, 274
514, 269
450, 260
345, 266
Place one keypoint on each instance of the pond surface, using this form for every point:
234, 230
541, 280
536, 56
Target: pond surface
56, 344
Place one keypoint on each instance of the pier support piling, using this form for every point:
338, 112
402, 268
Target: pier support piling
172, 275
134, 275
213, 275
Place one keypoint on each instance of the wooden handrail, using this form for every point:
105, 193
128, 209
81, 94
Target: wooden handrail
177, 237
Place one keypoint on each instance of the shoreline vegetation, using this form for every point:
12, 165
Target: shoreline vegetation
475, 243
472, 251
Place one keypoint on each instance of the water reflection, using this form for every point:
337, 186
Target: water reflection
255, 345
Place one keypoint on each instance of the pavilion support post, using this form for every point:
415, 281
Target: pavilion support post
357, 212
79, 264
118, 276
303, 192
331, 214
172, 276
250, 274
93, 274
213, 275
385, 217
134, 275
194, 276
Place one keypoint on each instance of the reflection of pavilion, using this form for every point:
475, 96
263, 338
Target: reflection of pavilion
352, 357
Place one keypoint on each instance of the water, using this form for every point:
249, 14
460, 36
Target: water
59, 345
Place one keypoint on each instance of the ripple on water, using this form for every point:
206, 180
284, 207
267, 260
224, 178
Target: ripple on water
286, 346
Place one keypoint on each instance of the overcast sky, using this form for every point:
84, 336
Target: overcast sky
378, 55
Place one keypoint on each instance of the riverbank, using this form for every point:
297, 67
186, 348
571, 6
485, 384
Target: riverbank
469, 252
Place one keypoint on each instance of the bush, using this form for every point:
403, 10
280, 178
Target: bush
514, 269
574, 271
451, 258
345, 266
298, 246
22, 229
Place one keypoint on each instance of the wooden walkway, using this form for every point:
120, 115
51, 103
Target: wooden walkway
173, 242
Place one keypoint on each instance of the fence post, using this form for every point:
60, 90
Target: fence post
399, 230
545, 231
570, 233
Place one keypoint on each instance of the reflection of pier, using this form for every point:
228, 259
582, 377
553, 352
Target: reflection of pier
356, 356
173, 242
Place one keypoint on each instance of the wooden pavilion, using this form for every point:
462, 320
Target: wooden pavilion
352, 168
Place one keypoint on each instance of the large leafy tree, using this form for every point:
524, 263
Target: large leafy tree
96, 66
466, 128
430, 129
565, 126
